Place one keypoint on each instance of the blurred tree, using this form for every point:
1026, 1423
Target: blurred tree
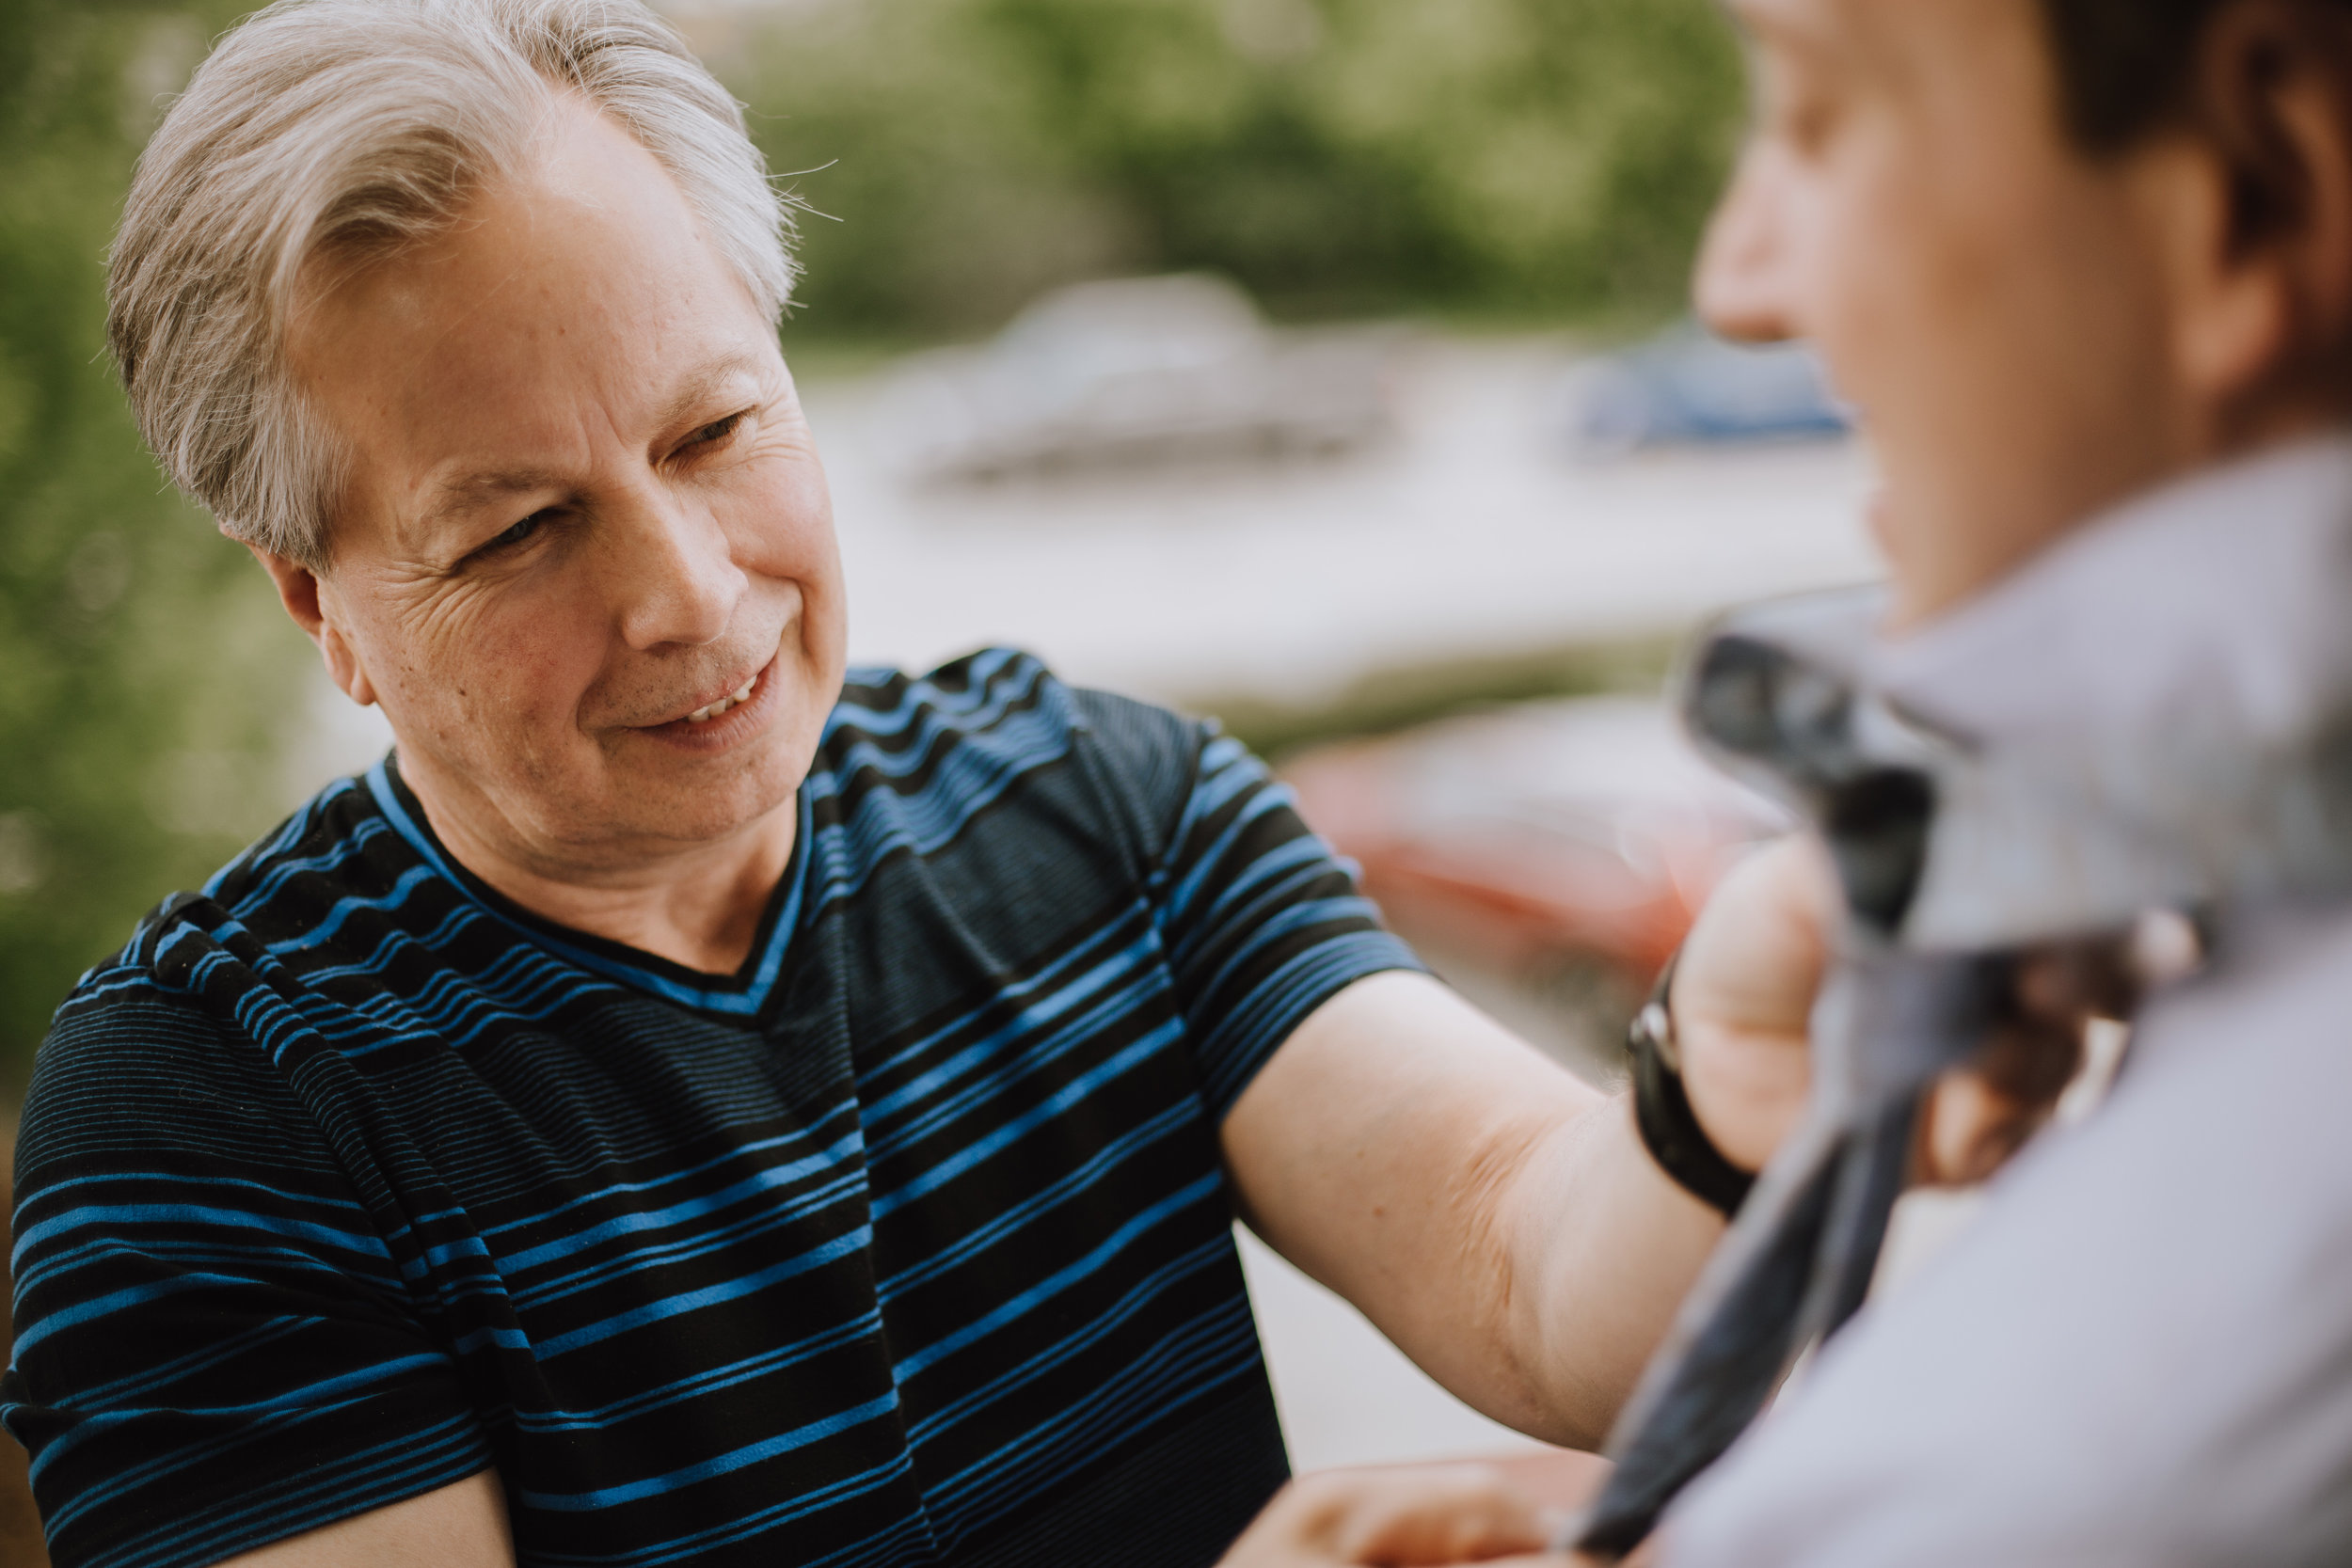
1539, 158
939, 199
141, 665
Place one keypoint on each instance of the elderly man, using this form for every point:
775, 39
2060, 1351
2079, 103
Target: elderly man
680, 1107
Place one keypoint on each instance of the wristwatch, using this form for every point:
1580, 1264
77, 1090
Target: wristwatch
1661, 1108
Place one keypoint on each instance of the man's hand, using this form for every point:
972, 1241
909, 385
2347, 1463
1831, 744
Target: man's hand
1394, 1517
1743, 997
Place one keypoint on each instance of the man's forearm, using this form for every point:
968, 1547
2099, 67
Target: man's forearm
1602, 1247
1496, 1218
1604, 1241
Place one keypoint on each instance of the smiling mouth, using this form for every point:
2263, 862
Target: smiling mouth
705, 718
704, 715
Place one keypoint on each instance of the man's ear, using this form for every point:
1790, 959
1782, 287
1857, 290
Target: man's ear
2266, 327
311, 605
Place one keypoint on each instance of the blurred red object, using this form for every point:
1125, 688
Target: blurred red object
1565, 844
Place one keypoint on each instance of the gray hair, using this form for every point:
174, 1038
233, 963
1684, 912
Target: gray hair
339, 132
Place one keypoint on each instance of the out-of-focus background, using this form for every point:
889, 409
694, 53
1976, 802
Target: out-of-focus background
1315, 364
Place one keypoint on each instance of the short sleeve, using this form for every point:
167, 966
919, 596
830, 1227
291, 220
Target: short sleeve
1263, 921
212, 1351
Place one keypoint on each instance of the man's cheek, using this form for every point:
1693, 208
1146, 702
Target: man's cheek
492, 687
786, 537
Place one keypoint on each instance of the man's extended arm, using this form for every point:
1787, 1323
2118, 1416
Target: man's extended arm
1496, 1218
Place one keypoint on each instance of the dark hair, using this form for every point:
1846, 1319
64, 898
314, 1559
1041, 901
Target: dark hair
2124, 64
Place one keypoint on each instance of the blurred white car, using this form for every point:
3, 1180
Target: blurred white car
1136, 372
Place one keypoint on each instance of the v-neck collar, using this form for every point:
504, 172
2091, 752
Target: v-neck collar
743, 995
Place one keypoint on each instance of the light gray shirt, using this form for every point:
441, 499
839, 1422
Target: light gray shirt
2140, 1352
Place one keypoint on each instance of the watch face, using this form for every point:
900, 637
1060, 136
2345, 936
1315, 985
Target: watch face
1657, 1027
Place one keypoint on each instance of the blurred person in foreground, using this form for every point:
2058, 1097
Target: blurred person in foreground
2085, 267
689, 1104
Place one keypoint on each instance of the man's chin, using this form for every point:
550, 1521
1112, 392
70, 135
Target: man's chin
653, 825
658, 799
1910, 602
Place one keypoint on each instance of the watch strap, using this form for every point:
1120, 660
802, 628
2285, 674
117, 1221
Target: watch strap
1661, 1109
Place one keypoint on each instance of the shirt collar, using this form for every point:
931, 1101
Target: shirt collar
2154, 713
2228, 591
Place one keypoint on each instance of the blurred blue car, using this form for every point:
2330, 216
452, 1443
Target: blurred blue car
1690, 386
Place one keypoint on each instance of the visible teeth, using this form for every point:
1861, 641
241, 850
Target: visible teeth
704, 715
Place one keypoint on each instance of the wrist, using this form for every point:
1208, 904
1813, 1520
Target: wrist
1670, 1126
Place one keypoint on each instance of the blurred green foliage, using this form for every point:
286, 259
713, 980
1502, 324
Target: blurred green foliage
142, 663
1526, 159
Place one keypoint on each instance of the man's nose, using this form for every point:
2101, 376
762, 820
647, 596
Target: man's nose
673, 573
1740, 291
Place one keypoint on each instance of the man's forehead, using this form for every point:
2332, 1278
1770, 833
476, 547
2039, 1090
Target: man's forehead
1897, 35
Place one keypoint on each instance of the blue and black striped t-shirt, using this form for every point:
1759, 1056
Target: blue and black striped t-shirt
907, 1244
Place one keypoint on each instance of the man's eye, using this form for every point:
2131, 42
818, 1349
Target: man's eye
1809, 127
512, 536
717, 430
1803, 119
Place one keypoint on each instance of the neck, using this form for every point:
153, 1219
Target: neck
1943, 562
698, 905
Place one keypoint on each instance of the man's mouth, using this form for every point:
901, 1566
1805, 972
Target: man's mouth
704, 715
705, 718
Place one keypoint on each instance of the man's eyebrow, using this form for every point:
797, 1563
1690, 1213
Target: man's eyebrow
470, 491
1780, 24
702, 383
